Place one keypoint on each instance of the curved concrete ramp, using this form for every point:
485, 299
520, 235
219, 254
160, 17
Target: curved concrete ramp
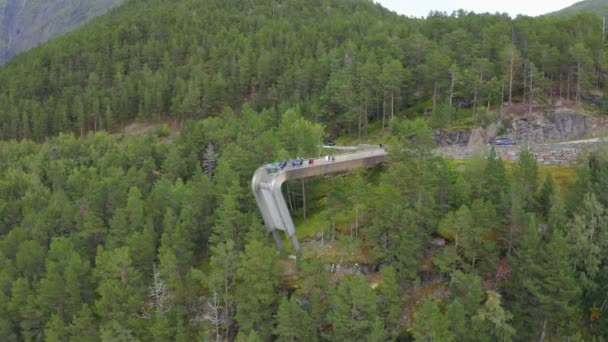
267, 181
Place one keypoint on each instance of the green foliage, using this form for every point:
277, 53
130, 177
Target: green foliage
141, 238
257, 288
430, 324
525, 173
355, 310
548, 292
492, 322
546, 195
293, 323
343, 64
587, 238
391, 302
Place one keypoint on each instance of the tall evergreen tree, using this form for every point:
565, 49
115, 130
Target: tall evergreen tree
354, 310
257, 290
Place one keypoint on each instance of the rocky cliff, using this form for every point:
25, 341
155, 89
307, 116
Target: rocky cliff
554, 126
26, 23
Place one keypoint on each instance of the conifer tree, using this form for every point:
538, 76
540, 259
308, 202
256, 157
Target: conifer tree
257, 290
526, 175
391, 302
587, 237
222, 279
83, 326
492, 322
355, 310
430, 324
495, 187
293, 324
549, 292
546, 194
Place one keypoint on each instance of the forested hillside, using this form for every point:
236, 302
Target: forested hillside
597, 7
24, 24
344, 62
110, 237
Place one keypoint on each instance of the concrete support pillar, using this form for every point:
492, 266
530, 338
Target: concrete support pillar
277, 238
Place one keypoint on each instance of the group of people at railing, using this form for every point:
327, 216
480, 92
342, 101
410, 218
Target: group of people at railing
293, 163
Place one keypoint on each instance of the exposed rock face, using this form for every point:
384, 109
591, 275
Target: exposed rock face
452, 137
555, 126
23, 23
546, 154
465, 136
560, 125
481, 136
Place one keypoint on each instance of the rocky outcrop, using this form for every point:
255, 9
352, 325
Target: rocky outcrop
452, 137
555, 126
465, 136
481, 136
546, 154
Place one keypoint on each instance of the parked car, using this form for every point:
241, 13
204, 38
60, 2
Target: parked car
330, 143
502, 142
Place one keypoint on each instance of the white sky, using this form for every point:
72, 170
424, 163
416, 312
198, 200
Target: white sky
421, 8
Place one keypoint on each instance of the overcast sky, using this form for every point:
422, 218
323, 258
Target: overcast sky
421, 8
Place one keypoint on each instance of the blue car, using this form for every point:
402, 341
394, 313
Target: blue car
502, 142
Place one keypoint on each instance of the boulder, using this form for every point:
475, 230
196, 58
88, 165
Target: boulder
482, 136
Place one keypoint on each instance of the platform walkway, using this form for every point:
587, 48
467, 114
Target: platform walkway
267, 180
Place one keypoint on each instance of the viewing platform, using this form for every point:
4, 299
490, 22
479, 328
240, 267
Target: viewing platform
268, 179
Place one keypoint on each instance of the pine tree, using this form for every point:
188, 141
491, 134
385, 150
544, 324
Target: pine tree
119, 290
394, 233
479, 248
525, 173
293, 323
391, 303
55, 330
460, 324
545, 196
7, 327
257, 289
491, 323
222, 279
587, 238
549, 292
354, 310
430, 324
83, 327
495, 185
66, 282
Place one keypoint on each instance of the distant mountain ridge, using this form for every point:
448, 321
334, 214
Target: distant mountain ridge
599, 7
26, 23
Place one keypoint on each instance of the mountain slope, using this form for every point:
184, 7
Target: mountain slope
599, 7
344, 63
24, 24
187, 59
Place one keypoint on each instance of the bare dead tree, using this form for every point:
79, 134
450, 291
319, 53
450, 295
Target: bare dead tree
158, 297
209, 160
215, 315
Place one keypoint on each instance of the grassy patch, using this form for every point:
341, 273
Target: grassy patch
564, 176
312, 225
